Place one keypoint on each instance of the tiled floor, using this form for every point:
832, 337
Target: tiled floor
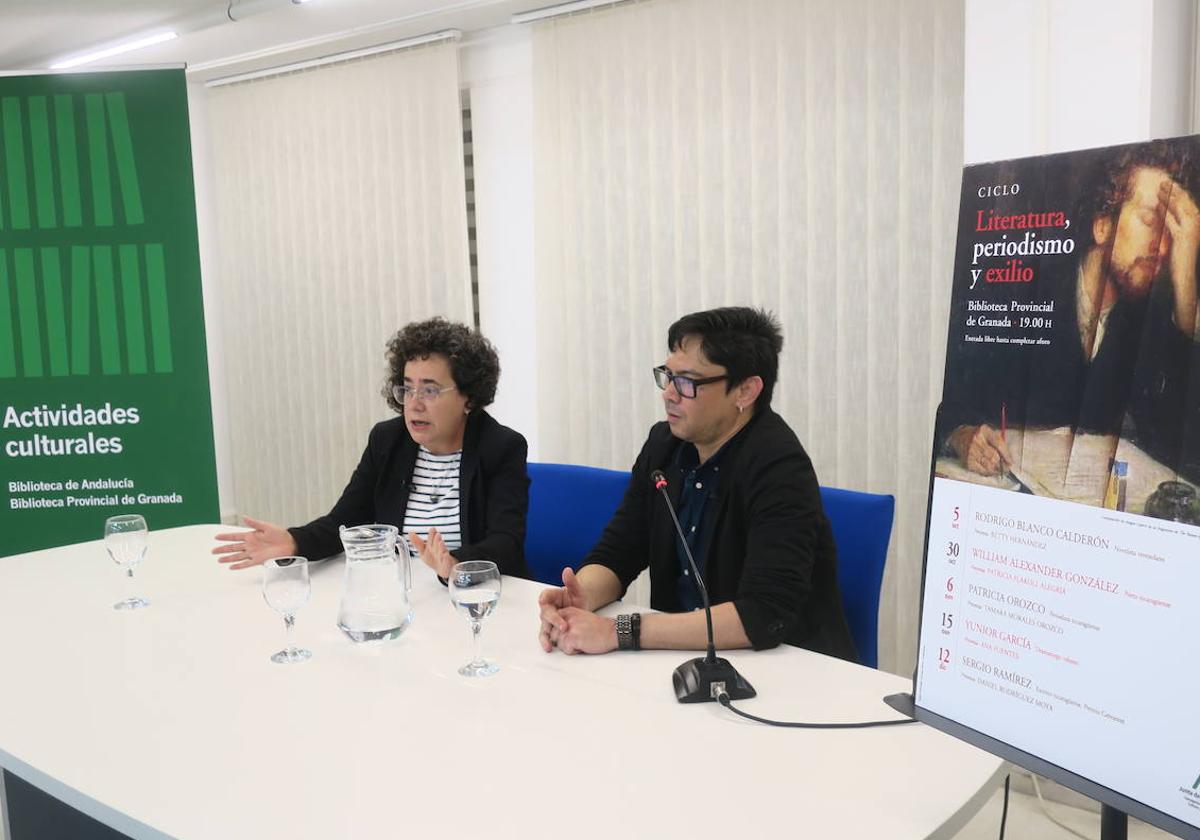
1026, 821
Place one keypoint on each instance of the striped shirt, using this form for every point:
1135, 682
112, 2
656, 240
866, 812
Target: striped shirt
433, 497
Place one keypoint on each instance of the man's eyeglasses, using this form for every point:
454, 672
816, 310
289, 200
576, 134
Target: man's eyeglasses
426, 393
685, 386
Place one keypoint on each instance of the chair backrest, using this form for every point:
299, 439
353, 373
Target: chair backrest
862, 526
569, 506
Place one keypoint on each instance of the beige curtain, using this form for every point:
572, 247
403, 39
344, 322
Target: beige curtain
801, 156
342, 216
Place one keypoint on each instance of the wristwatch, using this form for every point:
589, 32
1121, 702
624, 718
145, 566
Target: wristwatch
629, 632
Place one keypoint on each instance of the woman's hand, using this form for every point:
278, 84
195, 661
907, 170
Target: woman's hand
244, 549
434, 552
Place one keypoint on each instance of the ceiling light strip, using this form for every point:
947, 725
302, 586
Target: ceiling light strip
115, 49
119, 68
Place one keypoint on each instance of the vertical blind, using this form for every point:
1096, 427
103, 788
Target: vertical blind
342, 216
800, 156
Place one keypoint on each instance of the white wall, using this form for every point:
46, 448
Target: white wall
497, 67
1048, 76
206, 223
1172, 67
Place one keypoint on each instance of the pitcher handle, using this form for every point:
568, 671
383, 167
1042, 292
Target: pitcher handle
404, 549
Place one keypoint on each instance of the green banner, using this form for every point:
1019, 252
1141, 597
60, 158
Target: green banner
103, 371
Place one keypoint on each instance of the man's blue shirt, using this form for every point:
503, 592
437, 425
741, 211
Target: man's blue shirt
699, 483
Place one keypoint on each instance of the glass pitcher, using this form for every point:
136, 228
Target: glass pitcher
375, 597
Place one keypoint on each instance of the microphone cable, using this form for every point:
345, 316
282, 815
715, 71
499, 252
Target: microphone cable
722, 697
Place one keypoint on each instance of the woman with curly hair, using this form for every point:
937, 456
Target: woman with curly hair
444, 471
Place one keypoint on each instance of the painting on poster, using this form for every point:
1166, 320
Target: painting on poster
1072, 365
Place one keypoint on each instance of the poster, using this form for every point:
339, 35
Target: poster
1063, 560
103, 371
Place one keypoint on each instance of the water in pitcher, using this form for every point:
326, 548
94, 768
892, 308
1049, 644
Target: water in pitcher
375, 603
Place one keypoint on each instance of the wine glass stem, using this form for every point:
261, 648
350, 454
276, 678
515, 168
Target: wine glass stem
132, 588
289, 621
476, 647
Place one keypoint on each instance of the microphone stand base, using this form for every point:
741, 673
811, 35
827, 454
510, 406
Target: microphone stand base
694, 681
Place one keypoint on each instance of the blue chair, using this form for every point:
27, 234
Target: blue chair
862, 526
569, 506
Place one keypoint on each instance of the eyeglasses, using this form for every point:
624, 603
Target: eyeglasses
684, 386
426, 393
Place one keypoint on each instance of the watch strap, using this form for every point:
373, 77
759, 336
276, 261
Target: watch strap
625, 632
629, 632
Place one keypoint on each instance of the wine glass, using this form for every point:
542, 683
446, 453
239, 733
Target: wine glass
125, 541
475, 589
286, 589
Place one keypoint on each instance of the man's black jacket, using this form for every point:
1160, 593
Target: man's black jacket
771, 550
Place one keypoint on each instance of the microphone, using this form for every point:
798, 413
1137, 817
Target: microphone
704, 678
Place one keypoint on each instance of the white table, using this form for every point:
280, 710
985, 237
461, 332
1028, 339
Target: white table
171, 722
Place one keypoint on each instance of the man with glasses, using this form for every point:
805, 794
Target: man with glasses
748, 503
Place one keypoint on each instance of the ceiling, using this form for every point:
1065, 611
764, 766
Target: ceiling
36, 33
32, 29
